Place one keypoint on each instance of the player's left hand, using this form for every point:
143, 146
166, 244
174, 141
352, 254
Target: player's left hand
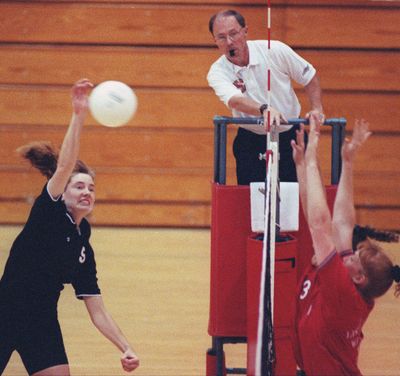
319, 114
129, 361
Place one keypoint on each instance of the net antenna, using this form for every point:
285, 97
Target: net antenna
265, 349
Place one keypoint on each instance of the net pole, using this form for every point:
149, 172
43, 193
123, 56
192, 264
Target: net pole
264, 271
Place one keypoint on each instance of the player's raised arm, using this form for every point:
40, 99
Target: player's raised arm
344, 216
298, 147
318, 215
70, 147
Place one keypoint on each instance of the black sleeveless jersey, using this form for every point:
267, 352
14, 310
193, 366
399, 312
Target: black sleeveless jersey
49, 252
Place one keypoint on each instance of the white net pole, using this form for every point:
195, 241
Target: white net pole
273, 220
261, 307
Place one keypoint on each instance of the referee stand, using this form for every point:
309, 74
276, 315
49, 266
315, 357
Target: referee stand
236, 262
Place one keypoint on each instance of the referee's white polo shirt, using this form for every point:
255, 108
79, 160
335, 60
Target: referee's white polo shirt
285, 65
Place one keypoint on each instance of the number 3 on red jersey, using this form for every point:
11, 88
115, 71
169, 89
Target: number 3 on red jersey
306, 289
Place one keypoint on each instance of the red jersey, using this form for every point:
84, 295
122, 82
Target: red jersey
330, 313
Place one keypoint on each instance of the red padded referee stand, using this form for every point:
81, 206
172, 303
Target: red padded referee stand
230, 232
231, 226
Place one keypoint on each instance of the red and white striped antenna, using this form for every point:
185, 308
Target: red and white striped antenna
265, 348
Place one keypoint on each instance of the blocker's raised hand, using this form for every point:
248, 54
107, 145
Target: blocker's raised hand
298, 146
360, 135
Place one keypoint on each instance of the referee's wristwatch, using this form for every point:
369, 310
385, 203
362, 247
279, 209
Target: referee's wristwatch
262, 108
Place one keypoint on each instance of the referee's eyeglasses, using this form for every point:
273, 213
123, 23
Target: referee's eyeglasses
233, 36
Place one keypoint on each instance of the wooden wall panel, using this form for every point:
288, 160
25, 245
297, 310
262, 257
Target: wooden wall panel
126, 147
138, 66
377, 188
148, 24
161, 67
236, 3
372, 187
157, 186
126, 214
342, 3
140, 24
383, 217
157, 107
342, 27
157, 170
21, 105
356, 70
169, 149
379, 109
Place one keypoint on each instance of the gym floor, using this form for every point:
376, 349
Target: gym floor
155, 283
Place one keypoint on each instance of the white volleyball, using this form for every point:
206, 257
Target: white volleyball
113, 103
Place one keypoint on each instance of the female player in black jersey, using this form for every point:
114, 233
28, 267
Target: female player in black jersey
53, 249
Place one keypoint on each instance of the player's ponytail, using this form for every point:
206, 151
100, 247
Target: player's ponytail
42, 156
396, 278
362, 233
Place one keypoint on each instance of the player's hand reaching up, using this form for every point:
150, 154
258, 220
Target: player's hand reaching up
360, 135
313, 138
298, 146
320, 114
79, 94
315, 129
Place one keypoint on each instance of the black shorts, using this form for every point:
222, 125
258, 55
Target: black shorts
248, 146
36, 337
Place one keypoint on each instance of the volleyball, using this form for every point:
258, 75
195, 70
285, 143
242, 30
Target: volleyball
112, 103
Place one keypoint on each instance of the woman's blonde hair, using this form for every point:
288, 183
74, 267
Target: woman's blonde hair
379, 270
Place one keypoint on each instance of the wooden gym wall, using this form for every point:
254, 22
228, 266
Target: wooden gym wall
157, 171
